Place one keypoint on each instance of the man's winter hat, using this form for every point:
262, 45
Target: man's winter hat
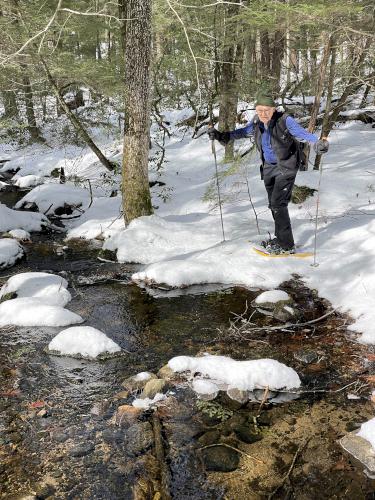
265, 99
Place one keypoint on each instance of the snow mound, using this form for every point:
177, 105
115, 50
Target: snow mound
272, 296
49, 289
29, 311
150, 239
10, 252
52, 196
367, 431
13, 219
85, 341
243, 375
19, 234
142, 376
102, 220
28, 181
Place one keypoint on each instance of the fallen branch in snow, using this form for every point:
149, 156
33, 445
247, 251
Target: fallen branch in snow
235, 449
238, 331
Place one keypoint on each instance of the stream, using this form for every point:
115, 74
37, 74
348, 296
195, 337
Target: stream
59, 437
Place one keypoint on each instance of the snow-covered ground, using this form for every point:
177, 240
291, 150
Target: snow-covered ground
182, 243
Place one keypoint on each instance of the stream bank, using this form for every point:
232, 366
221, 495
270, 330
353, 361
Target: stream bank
59, 438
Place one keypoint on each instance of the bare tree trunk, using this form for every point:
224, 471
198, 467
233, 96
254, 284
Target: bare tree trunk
30, 114
10, 104
319, 91
135, 185
331, 81
73, 119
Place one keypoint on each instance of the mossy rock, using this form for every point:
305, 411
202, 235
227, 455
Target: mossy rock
107, 255
55, 172
301, 193
8, 296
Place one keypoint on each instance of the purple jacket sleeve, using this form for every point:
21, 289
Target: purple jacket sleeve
240, 133
299, 132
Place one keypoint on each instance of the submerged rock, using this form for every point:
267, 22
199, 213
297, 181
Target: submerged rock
82, 449
305, 356
139, 438
220, 459
360, 449
247, 434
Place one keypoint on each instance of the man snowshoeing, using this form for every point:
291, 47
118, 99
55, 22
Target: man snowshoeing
278, 139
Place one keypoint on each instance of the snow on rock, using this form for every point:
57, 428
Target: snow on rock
146, 403
141, 376
48, 288
30, 311
150, 239
102, 220
10, 252
27, 181
272, 296
3, 186
14, 219
243, 375
52, 196
19, 234
84, 341
367, 431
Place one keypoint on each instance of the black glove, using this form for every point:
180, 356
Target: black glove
222, 137
321, 146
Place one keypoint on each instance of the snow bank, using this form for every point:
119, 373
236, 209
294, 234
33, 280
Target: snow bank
10, 252
367, 431
29, 311
243, 375
84, 341
272, 297
19, 234
102, 220
13, 219
150, 239
27, 181
48, 288
52, 196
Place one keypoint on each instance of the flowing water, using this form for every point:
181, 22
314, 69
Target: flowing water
73, 450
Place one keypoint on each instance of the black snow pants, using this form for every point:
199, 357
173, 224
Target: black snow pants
279, 184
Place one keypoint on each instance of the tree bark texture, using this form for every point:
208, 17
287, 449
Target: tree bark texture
135, 185
30, 114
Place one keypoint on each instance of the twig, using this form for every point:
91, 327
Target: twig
264, 399
233, 448
160, 456
287, 475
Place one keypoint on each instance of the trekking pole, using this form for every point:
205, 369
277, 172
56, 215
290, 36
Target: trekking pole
213, 149
315, 264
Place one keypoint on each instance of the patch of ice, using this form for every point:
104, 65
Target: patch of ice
84, 341
10, 252
272, 296
49, 289
29, 311
146, 403
367, 431
244, 375
205, 387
